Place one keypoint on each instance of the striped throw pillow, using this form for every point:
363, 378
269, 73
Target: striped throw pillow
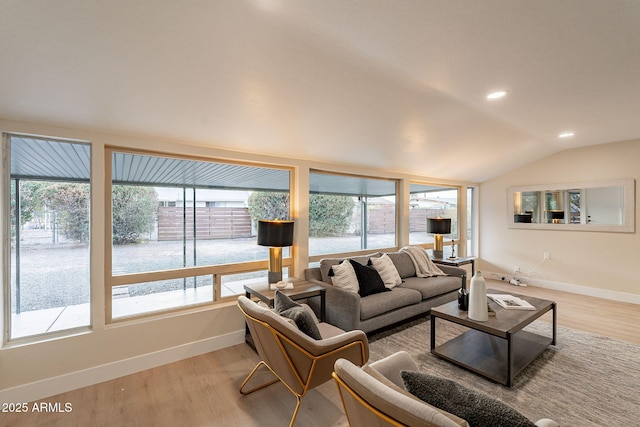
387, 270
344, 276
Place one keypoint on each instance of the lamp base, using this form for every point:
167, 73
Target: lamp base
275, 264
275, 276
437, 246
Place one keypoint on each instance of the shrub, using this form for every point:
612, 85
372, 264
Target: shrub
134, 212
268, 205
70, 203
329, 215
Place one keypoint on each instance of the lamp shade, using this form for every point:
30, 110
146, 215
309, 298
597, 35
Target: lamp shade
275, 232
439, 225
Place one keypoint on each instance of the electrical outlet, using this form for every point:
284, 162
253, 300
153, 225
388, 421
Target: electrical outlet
516, 270
546, 256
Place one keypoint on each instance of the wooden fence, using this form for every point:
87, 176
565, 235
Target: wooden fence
211, 223
230, 223
382, 219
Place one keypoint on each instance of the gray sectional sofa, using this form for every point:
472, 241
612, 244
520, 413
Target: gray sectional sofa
416, 295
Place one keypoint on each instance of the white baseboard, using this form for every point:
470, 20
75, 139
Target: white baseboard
568, 287
86, 377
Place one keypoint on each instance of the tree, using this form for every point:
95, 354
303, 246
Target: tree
30, 200
70, 203
268, 205
134, 212
329, 215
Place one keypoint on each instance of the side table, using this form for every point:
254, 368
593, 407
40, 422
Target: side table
301, 290
457, 262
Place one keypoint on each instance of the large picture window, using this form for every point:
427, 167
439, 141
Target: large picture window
184, 231
49, 199
432, 201
350, 213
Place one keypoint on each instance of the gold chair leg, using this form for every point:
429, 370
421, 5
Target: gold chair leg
295, 412
246, 380
277, 379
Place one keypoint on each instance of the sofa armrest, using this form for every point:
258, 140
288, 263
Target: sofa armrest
455, 272
312, 273
342, 308
452, 271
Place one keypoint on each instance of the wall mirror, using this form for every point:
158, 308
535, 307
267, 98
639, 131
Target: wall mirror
585, 206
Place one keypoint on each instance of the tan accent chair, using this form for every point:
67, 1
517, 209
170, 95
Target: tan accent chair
374, 396
297, 360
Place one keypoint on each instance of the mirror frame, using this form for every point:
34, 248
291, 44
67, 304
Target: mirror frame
628, 214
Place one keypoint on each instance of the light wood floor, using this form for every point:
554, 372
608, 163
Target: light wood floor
203, 390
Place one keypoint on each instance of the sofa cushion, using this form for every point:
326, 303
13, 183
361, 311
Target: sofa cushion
290, 309
376, 304
327, 263
344, 276
369, 280
403, 264
387, 270
432, 286
476, 408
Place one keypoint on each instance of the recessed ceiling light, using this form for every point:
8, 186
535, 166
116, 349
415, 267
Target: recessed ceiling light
566, 135
497, 94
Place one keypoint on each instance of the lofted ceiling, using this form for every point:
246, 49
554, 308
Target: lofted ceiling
398, 85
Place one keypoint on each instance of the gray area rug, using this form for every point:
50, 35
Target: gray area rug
585, 380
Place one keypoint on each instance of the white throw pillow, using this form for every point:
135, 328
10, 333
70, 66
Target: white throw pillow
387, 270
344, 276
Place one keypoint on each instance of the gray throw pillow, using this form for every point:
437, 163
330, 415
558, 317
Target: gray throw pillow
285, 306
476, 408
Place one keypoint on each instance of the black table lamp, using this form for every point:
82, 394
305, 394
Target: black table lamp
438, 227
275, 234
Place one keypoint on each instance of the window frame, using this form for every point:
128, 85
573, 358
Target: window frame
216, 271
397, 212
6, 300
458, 239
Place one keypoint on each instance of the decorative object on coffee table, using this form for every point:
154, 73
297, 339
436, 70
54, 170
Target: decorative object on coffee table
276, 234
438, 227
463, 297
478, 298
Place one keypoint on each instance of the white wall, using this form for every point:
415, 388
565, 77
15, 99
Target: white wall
593, 263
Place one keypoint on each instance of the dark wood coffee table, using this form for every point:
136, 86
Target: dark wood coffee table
497, 349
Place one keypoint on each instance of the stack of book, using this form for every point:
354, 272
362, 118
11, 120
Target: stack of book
510, 302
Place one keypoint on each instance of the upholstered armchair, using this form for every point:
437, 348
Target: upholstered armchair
375, 396
295, 359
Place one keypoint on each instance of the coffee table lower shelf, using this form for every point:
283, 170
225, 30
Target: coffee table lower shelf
488, 355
